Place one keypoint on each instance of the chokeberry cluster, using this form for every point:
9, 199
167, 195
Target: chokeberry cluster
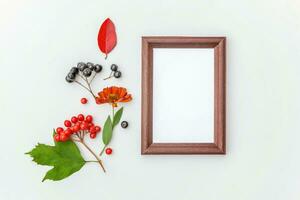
115, 72
85, 71
77, 128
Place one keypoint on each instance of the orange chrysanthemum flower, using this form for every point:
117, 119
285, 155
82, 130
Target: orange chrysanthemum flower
113, 95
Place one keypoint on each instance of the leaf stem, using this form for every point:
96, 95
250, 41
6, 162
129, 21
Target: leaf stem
102, 150
113, 115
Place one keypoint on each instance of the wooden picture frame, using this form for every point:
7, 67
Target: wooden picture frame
218, 146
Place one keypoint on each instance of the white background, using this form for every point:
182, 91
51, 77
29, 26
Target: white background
41, 40
186, 116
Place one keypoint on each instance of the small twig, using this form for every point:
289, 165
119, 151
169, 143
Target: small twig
81, 85
99, 161
92, 78
81, 76
90, 89
88, 84
91, 151
75, 140
109, 76
79, 136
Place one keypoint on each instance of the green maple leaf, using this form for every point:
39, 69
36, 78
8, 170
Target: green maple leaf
65, 158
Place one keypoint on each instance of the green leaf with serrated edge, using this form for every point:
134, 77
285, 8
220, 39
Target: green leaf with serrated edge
65, 158
107, 131
117, 117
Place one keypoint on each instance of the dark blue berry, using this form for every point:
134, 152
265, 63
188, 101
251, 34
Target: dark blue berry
117, 74
69, 80
90, 65
114, 67
124, 124
71, 75
81, 66
98, 68
87, 72
74, 70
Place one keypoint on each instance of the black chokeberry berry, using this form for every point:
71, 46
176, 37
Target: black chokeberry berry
87, 72
124, 124
69, 80
90, 65
97, 68
71, 75
81, 66
117, 74
74, 70
114, 67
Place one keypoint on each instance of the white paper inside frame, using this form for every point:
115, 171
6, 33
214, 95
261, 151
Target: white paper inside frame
183, 95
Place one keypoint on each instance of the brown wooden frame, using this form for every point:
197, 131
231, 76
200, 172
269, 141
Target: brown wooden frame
219, 45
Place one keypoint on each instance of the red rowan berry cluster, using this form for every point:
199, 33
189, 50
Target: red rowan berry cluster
78, 126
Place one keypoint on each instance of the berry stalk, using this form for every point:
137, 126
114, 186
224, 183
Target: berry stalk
91, 151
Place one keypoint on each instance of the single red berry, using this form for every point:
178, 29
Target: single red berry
59, 130
83, 100
63, 137
97, 128
68, 131
76, 128
56, 137
93, 135
92, 129
90, 125
68, 123
80, 117
89, 118
74, 119
77, 123
108, 151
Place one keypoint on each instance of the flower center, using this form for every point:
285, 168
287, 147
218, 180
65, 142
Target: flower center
113, 98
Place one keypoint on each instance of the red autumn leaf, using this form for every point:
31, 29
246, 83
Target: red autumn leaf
107, 37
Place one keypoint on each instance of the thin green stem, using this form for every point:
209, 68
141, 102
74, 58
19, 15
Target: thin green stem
102, 151
113, 114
